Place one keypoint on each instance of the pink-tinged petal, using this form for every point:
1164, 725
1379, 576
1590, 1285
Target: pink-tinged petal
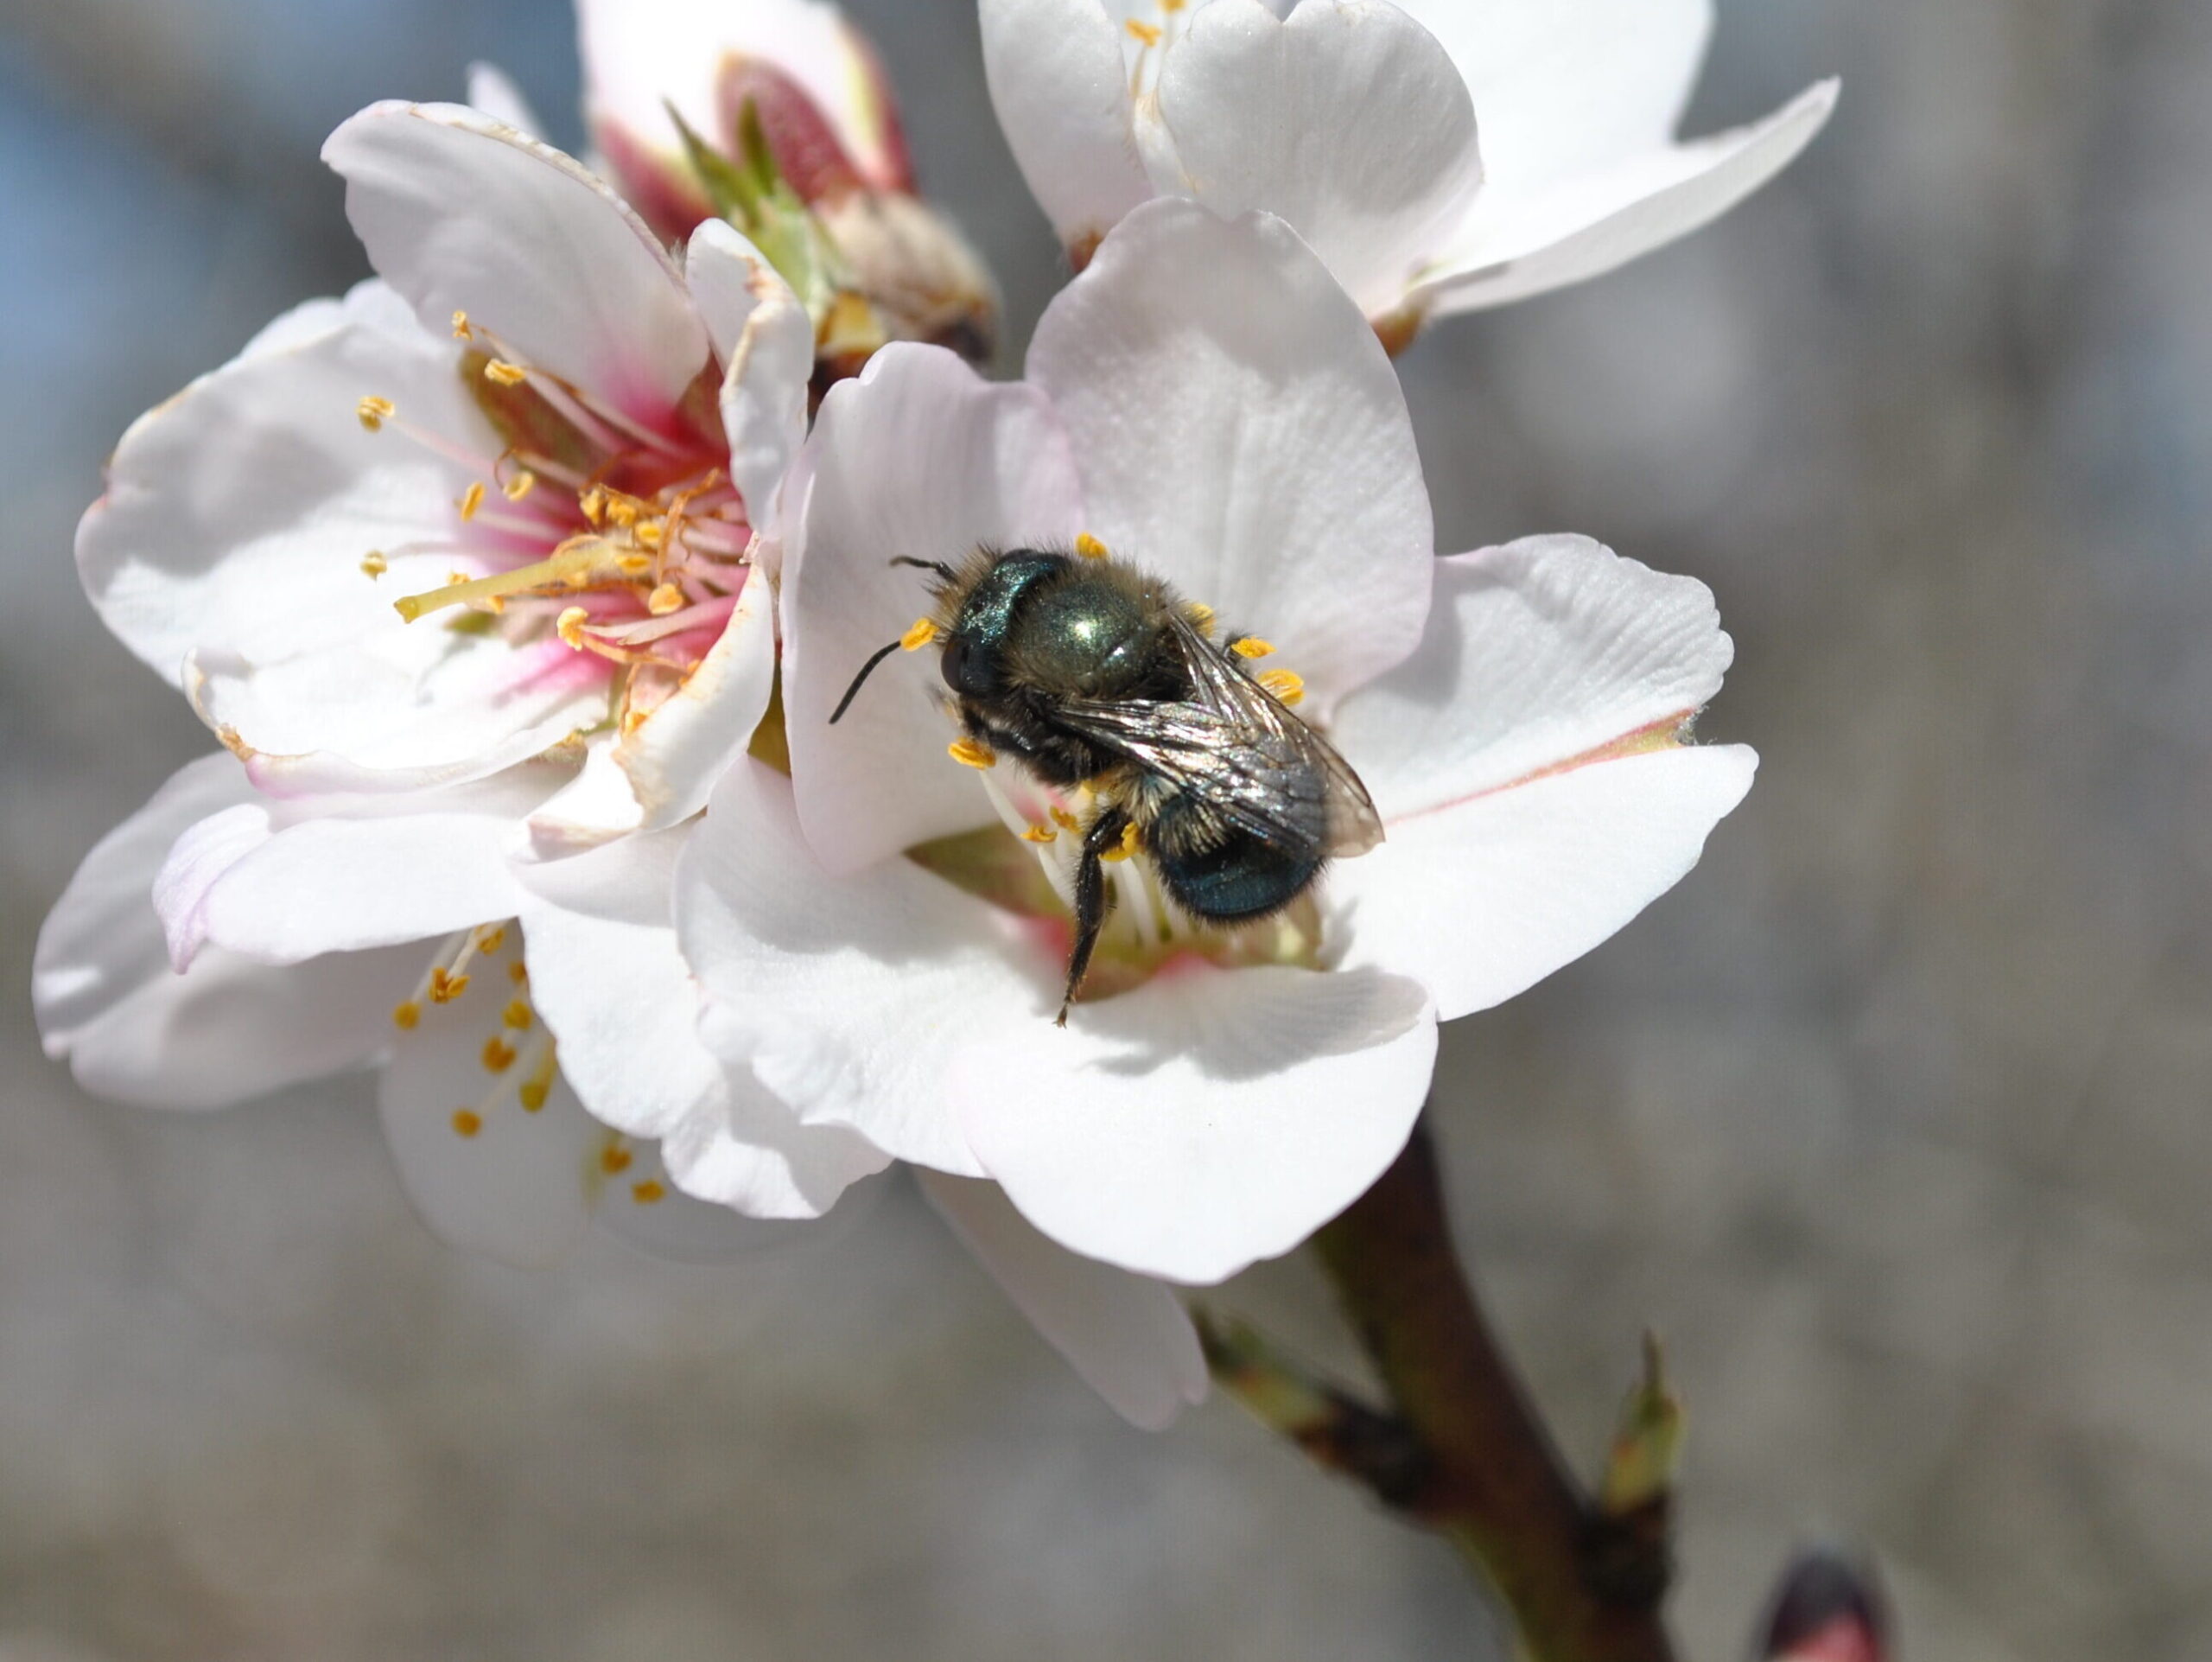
1128, 1337
1531, 878
493, 91
1537, 654
609, 981
1061, 88
1210, 1119
1348, 121
918, 458
1522, 241
1562, 85
461, 213
846, 996
238, 514
134, 1030
1240, 432
641, 56
662, 771
283, 883
765, 339
489, 1172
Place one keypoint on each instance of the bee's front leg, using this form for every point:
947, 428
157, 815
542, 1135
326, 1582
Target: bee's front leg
1093, 900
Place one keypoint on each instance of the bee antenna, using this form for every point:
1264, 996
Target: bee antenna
867, 669
938, 566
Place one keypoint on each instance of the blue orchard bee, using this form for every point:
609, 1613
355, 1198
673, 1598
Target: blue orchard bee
1092, 674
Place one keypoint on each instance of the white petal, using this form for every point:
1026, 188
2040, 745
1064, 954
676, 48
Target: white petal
1209, 1118
1536, 655
644, 1207
493, 91
1348, 120
1529, 879
1128, 1336
845, 995
918, 458
661, 771
460, 212
406, 707
1061, 89
1562, 85
134, 1030
1240, 432
487, 1174
285, 882
608, 978
640, 56
765, 337
1520, 241
237, 514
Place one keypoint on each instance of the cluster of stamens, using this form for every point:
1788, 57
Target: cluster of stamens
616, 537
519, 1057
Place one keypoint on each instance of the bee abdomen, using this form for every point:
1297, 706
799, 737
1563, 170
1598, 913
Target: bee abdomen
1221, 873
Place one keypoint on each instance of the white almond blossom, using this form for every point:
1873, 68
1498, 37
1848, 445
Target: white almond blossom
221, 945
1439, 155
494, 505
881, 950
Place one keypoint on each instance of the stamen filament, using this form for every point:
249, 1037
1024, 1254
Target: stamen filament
576, 565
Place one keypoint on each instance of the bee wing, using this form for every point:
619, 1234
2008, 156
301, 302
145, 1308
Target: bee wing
1239, 750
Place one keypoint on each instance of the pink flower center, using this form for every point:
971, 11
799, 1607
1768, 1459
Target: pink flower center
598, 544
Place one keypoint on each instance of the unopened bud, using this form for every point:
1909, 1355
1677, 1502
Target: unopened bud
1829, 1607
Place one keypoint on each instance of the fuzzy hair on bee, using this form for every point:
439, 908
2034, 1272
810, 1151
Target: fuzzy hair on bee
1092, 674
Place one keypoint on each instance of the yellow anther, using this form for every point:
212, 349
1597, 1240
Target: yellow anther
518, 973
1287, 686
1040, 834
1149, 33
518, 1015
498, 1054
445, 987
491, 940
663, 600
614, 1159
1066, 820
539, 1085
622, 511
461, 330
648, 1193
1090, 548
374, 564
923, 632
651, 535
1126, 847
1171, 7
569, 626
471, 500
593, 504
635, 565
466, 1121
375, 411
505, 374
520, 486
1201, 616
1252, 646
407, 1016
968, 754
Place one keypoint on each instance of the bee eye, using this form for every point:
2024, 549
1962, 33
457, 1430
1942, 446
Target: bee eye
966, 670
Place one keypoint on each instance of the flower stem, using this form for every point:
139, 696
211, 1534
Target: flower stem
1581, 1585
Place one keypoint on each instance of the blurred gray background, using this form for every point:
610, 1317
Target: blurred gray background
1893, 1118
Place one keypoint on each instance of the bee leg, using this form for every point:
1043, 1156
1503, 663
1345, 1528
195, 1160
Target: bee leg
1092, 899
